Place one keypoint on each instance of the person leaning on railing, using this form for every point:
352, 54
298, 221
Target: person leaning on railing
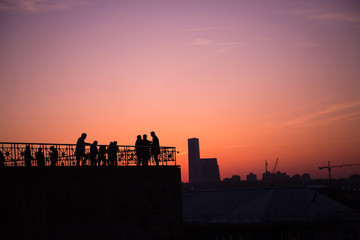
40, 158
138, 150
102, 155
93, 153
27, 156
80, 150
145, 150
155, 149
54, 155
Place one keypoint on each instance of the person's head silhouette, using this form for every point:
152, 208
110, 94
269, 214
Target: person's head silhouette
145, 137
152, 133
83, 135
139, 137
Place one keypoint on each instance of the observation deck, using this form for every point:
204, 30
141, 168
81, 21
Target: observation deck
14, 154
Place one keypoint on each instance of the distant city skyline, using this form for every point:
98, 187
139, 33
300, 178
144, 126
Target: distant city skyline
254, 80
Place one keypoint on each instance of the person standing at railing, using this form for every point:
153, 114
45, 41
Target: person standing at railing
27, 156
101, 155
116, 150
54, 156
138, 150
80, 150
145, 150
112, 153
40, 159
93, 153
155, 149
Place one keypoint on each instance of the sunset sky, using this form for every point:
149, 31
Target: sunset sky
253, 80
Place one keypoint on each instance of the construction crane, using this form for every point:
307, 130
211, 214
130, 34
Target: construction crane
274, 169
329, 167
266, 164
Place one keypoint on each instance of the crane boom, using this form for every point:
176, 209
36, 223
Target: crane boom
329, 167
274, 169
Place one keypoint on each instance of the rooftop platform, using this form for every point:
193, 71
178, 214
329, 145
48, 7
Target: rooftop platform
126, 202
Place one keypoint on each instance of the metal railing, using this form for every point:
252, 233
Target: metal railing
14, 155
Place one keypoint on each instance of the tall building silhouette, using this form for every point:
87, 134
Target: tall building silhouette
194, 160
201, 170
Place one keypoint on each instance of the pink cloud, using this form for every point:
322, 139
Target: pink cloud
337, 16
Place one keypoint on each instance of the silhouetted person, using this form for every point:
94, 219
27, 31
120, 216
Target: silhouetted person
155, 149
93, 153
116, 150
2, 159
54, 156
138, 150
40, 159
146, 150
102, 155
27, 156
80, 150
110, 153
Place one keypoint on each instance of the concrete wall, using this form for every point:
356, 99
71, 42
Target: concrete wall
90, 203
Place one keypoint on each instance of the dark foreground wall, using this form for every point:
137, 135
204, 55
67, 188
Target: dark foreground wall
90, 203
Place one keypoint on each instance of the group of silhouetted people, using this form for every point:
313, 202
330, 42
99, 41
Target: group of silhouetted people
143, 147
102, 156
97, 156
39, 156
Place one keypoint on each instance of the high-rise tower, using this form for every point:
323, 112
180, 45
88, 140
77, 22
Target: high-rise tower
194, 160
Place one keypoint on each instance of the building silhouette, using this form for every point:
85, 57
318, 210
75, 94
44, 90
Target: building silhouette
194, 160
251, 177
201, 170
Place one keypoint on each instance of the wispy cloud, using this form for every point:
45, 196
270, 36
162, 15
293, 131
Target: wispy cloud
37, 5
320, 14
202, 29
200, 42
331, 114
228, 46
184, 17
347, 17
303, 42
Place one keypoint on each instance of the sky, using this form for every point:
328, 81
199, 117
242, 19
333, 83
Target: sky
253, 80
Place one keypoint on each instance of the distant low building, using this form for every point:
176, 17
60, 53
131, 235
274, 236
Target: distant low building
233, 179
306, 177
209, 170
267, 177
251, 177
